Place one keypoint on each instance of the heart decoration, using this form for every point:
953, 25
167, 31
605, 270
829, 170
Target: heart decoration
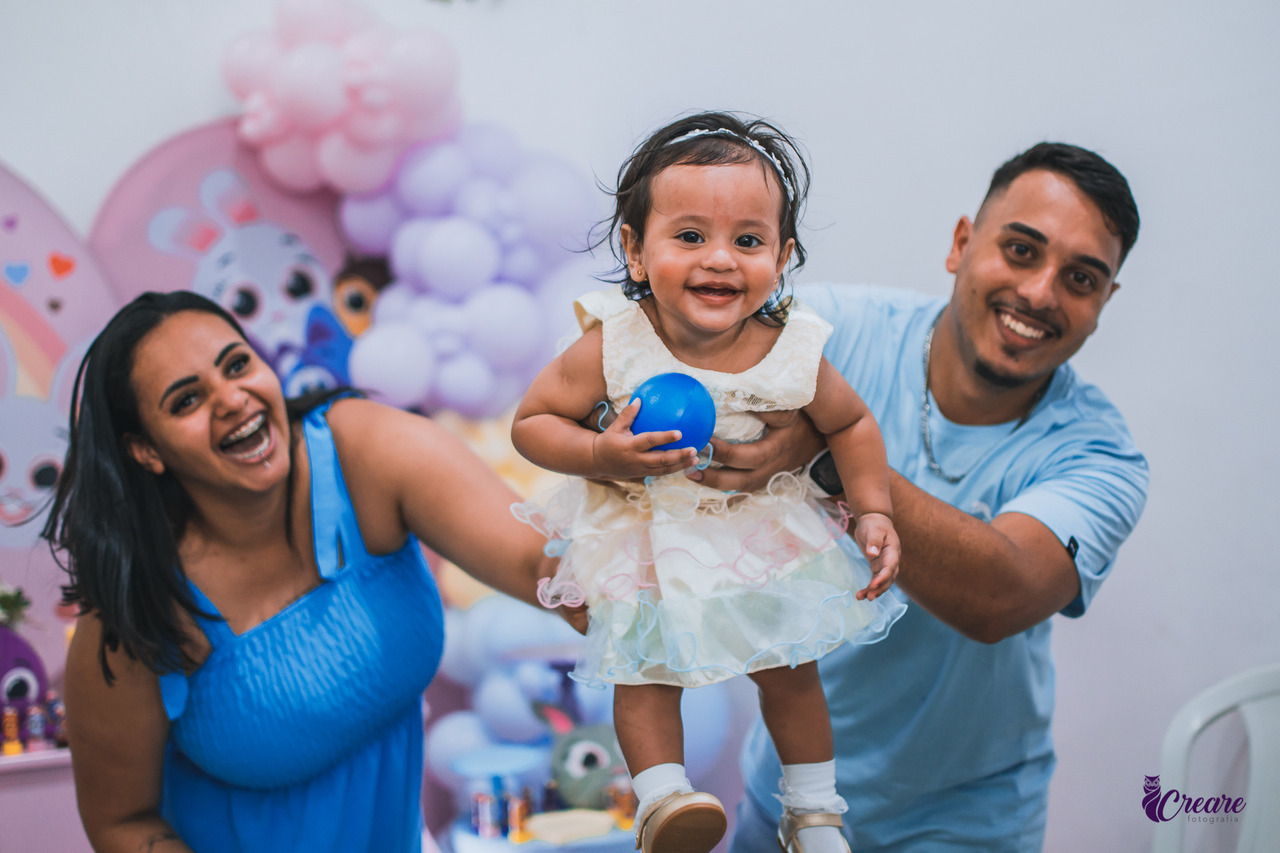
61, 265
16, 273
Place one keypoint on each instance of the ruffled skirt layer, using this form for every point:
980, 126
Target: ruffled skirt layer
688, 586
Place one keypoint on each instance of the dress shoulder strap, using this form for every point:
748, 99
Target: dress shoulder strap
174, 687
333, 519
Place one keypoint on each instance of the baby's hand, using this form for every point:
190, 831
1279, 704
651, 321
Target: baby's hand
876, 537
619, 454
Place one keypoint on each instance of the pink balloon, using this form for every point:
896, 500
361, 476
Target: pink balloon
351, 168
262, 122
292, 163
250, 62
369, 222
438, 123
308, 85
422, 70
364, 56
367, 126
393, 361
332, 21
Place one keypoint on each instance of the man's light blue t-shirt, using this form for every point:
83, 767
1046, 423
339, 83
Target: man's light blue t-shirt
939, 737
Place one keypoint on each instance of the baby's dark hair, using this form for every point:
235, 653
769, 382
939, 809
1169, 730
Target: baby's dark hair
708, 139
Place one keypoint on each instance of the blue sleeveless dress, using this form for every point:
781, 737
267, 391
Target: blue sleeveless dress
305, 732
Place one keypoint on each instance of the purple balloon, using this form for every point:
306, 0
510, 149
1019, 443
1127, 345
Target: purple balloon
442, 323
430, 178
393, 303
464, 384
394, 361
485, 201
555, 203
558, 290
370, 222
504, 325
522, 263
491, 149
405, 246
457, 257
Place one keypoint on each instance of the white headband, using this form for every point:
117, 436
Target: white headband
724, 131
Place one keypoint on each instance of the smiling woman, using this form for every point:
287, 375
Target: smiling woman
241, 564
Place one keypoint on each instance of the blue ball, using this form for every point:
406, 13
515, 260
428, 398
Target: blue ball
675, 401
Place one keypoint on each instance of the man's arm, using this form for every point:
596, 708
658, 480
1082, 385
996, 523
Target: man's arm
987, 581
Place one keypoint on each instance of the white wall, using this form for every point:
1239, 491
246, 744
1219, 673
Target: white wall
905, 108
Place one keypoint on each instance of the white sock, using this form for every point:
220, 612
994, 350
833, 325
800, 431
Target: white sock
809, 789
657, 782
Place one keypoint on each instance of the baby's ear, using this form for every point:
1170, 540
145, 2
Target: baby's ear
144, 453
631, 248
558, 721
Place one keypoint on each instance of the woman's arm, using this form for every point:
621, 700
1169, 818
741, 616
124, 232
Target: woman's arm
407, 474
118, 734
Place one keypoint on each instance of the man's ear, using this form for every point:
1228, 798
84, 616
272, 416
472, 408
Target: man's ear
144, 453
959, 242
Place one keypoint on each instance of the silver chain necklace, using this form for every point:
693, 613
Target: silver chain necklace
924, 414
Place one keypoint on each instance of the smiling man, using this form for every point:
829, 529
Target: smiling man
1015, 484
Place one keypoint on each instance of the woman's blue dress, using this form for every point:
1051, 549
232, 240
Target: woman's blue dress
305, 732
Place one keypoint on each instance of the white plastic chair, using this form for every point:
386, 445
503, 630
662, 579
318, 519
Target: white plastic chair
1255, 693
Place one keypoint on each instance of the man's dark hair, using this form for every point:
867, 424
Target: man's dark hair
1095, 177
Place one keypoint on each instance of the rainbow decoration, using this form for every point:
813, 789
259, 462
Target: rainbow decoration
37, 348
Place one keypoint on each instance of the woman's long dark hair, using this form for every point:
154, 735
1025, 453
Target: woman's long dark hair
117, 524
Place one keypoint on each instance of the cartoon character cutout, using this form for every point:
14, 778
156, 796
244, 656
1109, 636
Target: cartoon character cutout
23, 680
264, 275
585, 759
356, 288
33, 442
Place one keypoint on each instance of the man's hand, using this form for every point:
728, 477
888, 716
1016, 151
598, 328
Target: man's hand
878, 540
789, 442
